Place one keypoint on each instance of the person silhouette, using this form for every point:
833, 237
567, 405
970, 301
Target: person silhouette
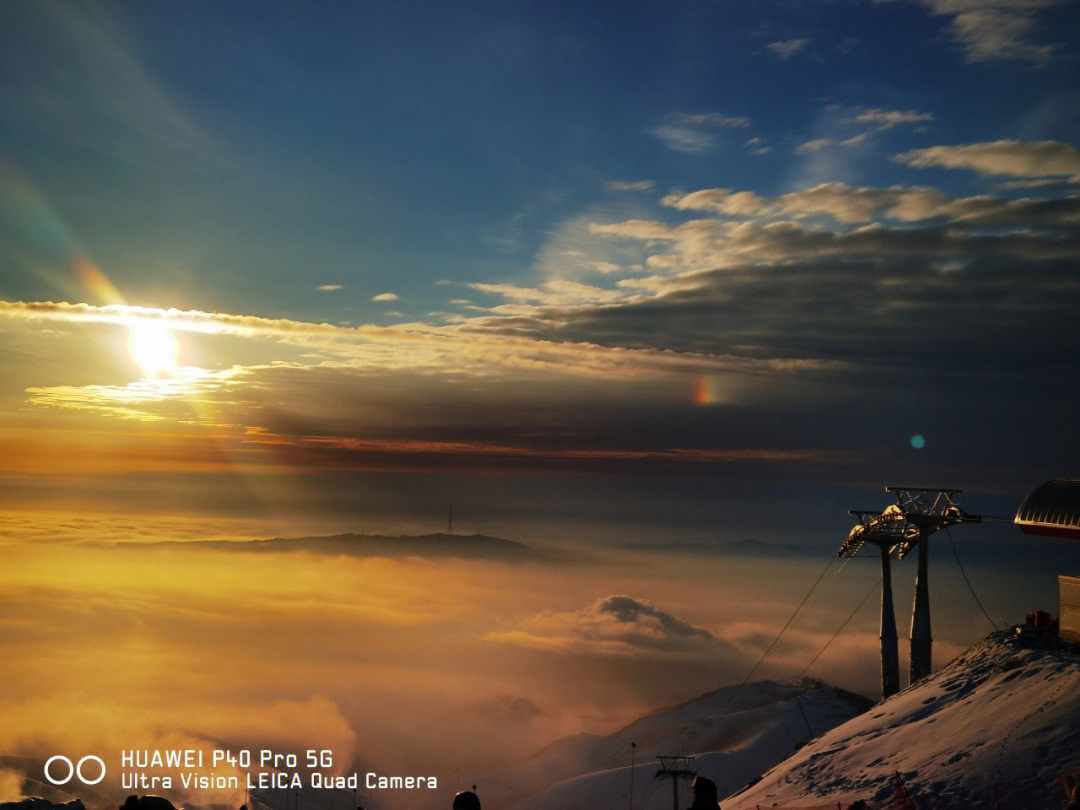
467, 800
704, 794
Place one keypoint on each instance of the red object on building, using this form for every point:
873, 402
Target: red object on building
1038, 618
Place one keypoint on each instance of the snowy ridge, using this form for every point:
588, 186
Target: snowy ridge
1002, 719
734, 732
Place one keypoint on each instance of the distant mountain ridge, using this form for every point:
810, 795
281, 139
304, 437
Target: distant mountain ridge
733, 731
462, 546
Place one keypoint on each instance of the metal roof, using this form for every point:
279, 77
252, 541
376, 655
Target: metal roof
1052, 509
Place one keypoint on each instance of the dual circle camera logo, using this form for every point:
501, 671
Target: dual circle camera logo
60, 770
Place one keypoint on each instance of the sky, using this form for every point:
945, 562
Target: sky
586, 273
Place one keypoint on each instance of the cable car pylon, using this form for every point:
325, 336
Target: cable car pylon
907, 524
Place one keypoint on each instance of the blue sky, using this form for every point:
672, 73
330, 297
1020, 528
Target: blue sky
726, 239
387, 148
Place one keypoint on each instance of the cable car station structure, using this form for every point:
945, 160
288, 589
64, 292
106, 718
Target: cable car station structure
901, 527
1053, 510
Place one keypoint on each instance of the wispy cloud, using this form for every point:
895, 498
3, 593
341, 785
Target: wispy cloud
785, 49
683, 138
716, 120
614, 626
815, 145
718, 201
1030, 159
631, 185
848, 204
887, 119
695, 133
989, 30
388, 296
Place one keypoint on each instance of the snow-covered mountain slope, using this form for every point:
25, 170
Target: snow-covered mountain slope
734, 732
992, 728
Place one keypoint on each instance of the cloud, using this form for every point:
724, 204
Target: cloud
384, 297
614, 626
695, 133
718, 201
357, 349
863, 263
330, 287
557, 292
817, 144
1029, 159
508, 711
849, 204
989, 30
814, 145
162, 399
887, 119
786, 49
717, 120
1020, 185
631, 185
684, 138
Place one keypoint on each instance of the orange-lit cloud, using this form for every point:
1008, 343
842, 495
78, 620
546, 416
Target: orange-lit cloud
615, 625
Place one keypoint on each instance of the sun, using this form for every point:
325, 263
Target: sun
153, 348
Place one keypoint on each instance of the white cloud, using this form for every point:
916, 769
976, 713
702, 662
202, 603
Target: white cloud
717, 120
815, 145
717, 201
848, 204
887, 119
684, 138
1030, 159
786, 49
854, 140
631, 185
385, 297
693, 132
990, 30
329, 287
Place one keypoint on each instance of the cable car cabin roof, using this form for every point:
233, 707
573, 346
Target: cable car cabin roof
1052, 509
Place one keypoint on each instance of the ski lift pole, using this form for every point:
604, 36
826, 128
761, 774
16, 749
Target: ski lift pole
674, 768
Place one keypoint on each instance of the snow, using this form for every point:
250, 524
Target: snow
734, 731
993, 728
1004, 713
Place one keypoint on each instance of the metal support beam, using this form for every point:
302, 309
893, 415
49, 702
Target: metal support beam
921, 641
675, 768
890, 656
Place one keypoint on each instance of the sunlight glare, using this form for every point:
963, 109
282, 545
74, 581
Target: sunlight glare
153, 348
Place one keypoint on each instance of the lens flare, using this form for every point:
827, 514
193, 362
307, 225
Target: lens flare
707, 391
